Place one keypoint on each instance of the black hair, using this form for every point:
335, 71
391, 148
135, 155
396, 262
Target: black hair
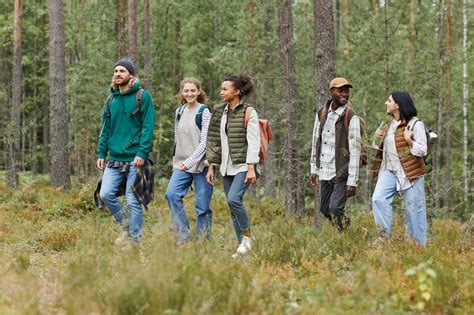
243, 83
406, 106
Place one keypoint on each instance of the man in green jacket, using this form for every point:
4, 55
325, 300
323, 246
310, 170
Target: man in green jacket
126, 136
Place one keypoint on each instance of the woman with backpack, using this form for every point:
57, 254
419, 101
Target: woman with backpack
234, 144
400, 167
190, 136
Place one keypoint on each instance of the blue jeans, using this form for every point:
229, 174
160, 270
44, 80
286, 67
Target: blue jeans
177, 188
413, 198
234, 188
111, 180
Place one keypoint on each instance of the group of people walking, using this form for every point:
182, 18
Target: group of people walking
226, 139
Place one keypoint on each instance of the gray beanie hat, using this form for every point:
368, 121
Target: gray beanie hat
127, 63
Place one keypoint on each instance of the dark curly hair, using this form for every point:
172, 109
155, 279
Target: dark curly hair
243, 83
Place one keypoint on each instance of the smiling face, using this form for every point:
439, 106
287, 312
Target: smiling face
392, 107
190, 92
121, 75
340, 95
229, 92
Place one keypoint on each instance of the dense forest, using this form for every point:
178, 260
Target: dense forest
292, 49
57, 59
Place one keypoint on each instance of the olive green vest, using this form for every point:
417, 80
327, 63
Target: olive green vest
237, 135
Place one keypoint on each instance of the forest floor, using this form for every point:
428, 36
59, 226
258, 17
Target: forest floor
57, 256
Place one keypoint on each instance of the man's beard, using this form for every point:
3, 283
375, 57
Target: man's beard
123, 83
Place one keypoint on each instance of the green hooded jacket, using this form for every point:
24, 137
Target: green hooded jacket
124, 135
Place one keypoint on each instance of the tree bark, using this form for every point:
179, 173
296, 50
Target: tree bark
411, 39
387, 50
57, 91
293, 179
449, 105
345, 24
120, 29
132, 30
465, 94
325, 66
14, 125
177, 58
435, 188
147, 61
269, 174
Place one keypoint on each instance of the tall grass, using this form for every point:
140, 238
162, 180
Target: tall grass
58, 256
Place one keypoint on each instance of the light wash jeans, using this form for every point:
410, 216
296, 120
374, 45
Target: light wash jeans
111, 180
234, 188
177, 188
413, 198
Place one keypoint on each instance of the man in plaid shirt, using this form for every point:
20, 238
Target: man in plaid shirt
336, 152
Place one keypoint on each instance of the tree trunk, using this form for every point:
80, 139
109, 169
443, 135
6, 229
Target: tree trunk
120, 29
251, 70
34, 143
449, 105
269, 174
23, 132
147, 61
387, 50
411, 40
465, 104
434, 184
14, 129
46, 163
57, 91
377, 8
345, 23
132, 30
325, 65
293, 179
176, 54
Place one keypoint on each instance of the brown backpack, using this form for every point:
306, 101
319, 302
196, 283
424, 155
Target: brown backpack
266, 134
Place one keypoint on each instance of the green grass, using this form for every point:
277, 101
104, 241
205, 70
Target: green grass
58, 256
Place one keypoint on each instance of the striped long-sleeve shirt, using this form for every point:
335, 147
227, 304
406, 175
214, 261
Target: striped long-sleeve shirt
190, 142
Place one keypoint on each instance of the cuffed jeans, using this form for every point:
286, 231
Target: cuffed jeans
413, 198
177, 188
234, 189
111, 180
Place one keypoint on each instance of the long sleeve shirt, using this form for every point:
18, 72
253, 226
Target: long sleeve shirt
327, 169
391, 160
190, 142
253, 146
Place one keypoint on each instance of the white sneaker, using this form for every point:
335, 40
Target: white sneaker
244, 247
122, 239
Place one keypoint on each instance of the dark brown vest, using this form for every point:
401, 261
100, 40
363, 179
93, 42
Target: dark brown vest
342, 141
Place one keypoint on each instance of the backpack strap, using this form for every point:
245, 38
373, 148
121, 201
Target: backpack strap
198, 117
139, 97
248, 110
179, 112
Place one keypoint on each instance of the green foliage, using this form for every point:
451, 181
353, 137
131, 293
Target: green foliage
424, 283
55, 263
